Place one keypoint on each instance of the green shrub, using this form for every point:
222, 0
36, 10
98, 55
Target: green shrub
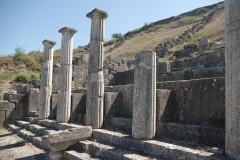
108, 43
34, 76
22, 78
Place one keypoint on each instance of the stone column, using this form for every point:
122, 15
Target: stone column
144, 96
46, 80
95, 90
65, 75
232, 81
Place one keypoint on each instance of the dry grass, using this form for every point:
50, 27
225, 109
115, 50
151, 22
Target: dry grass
148, 40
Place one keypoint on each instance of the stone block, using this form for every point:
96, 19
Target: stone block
2, 115
119, 68
55, 78
163, 67
55, 87
183, 53
161, 77
115, 59
78, 105
84, 57
112, 106
36, 82
187, 75
53, 106
62, 140
193, 46
33, 99
124, 124
5, 105
124, 78
203, 45
219, 46
56, 70
164, 101
16, 97
144, 100
24, 88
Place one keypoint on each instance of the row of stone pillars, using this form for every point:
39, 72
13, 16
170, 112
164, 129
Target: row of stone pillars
144, 108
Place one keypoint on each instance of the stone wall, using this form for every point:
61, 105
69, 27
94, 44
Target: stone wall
199, 102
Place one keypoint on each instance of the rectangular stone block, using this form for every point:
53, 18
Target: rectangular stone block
78, 105
55, 87
33, 97
2, 115
53, 106
5, 105
55, 78
183, 53
24, 88
144, 100
119, 68
164, 110
16, 97
56, 70
163, 67
115, 59
112, 106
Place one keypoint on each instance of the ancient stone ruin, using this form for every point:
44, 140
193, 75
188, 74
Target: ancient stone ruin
96, 107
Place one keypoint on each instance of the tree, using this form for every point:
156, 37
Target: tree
116, 35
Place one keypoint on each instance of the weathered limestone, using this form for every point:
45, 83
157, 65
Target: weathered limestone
46, 80
33, 97
95, 90
62, 140
65, 77
144, 100
232, 114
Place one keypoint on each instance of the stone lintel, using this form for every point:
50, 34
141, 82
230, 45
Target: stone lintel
48, 42
67, 30
97, 12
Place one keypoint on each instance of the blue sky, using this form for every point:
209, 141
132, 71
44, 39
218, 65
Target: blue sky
26, 23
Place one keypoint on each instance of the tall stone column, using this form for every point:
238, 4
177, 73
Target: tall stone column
95, 90
65, 75
232, 81
46, 80
144, 96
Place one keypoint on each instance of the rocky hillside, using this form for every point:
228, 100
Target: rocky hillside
168, 35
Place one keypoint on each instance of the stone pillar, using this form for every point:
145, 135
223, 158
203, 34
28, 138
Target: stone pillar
65, 75
46, 80
95, 90
144, 96
232, 81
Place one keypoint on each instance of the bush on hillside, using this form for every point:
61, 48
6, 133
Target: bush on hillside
24, 78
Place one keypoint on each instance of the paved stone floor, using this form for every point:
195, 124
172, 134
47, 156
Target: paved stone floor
13, 147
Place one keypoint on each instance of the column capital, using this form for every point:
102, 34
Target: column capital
67, 30
48, 42
97, 12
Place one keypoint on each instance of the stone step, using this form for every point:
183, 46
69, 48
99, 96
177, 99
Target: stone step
22, 124
32, 119
28, 135
13, 128
73, 155
105, 151
164, 149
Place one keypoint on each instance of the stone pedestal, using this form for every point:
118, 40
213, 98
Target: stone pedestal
144, 96
65, 75
232, 81
95, 90
46, 80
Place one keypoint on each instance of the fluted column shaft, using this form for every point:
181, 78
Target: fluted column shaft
95, 90
65, 75
232, 81
46, 80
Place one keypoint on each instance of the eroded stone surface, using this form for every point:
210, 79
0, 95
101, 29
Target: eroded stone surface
65, 76
95, 90
46, 80
144, 99
232, 137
